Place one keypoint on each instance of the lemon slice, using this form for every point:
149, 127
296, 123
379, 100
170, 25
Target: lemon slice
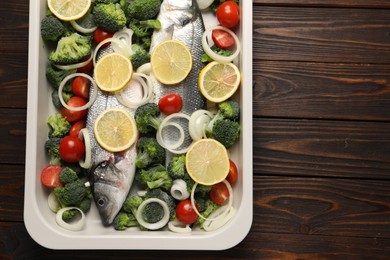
69, 10
115, 130
219, 81
171, 62
207, 162
113, 71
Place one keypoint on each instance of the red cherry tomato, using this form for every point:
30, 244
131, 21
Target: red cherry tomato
232, 175
219, 193
73, 116
87, 68
80, 87
72, 149
76, 127
50, 176
228, 14
170, 103
100, 35
185, 213
222, 39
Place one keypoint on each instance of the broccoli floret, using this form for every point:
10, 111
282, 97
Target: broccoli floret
229, 109
109, 17
224, 52
154, 177
226, 132
131, 204
202, 190
52, 148
51, 28
139, 57
68, 175
145, 28
55, 77
56, 100
72, 194
84, 206
124, 220
143, 9
149, 152
164, 196
153, 212
177, 170
147, 118
71, 49
208, 208
59, 127
98, 2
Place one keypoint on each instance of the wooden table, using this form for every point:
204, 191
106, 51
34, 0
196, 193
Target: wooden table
321, 134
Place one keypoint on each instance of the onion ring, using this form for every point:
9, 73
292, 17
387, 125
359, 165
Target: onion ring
74, 66
178, 227
179, 190
124, 36
79, 225
147, 91
87, 162
119, 42
157, 225
198, 123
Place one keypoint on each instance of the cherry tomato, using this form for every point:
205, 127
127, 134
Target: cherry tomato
232, 175
228, 14
170, 103
50, 176
87, 68
100, 35
80, 87
222, 39
76, 127
72, 149
219, 193
185, 213
73, 116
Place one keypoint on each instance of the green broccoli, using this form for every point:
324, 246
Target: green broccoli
154, 177
143, 9
59, 127
139, 57
131, 204
144, 28
224, 52
144, 42
52, 148
55, 78
72, 194
206, 210
177, 170
98, 2
51, 28
153, 212
68, 175
164, 196
56, 100
147, 118
202, 190
109, 17
71, 49
226, 132
229, 109
84, 206
149, 152
124, 220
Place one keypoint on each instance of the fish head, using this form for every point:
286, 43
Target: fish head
110, 186
178, 12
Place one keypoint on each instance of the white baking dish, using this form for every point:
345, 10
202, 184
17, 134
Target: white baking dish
40, 221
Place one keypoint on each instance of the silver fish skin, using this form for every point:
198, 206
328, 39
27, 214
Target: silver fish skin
111, 174
181, 20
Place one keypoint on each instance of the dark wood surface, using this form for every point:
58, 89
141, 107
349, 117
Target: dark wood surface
321, 132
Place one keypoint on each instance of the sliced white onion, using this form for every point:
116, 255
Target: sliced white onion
74, 66
178, 227
227, 208
165, 123
211, 225
203, 4
179, 190
214, 55
198, 123
125, 50
147, 89
157, 225
125, 36
81, 29
91, 99
79, 225
145, 68
142, 193
53, 202
87, 162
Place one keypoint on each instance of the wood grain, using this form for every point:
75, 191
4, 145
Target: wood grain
321, 148
11, 192
321, 34
321, 90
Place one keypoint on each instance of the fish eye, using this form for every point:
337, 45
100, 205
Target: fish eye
101, 202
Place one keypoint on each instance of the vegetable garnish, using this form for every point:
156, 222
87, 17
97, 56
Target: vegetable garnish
157, 225
178, 227
79, 225
123, 49
87, 161
78, 65
199, 121
179, 190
